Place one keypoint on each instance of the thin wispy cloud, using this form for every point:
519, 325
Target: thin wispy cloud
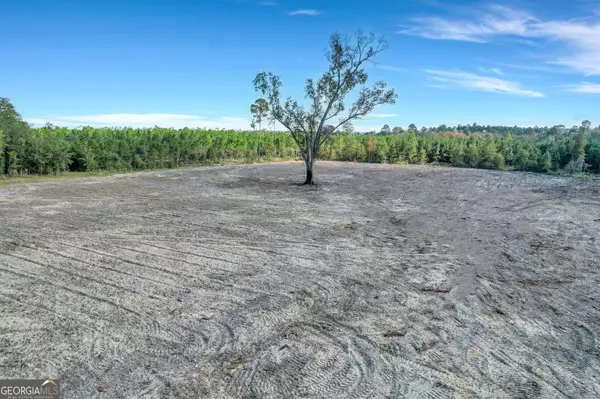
390, 68
542, 68
305, 12
382, 115
499, 20
268, 3
583, 39
496, 71
144, 120
586, 87
473, 81
581, 36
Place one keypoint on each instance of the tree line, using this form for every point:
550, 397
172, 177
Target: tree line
50, 149
573, 154
534, 132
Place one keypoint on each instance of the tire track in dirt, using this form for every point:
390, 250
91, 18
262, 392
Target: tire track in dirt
459, 384
72, 290
394, 284
221, 249
172, 342
142, 265
309, 360
184, 252
70, 273
96, 265
517, 382
249, 261
159, 342
210, 281
86, 319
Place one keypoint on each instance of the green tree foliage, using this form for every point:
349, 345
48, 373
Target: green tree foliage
498, 161
309, 126
537, 133
579, 145
577, 161
52, 149
2, 155
472, 153
544, 162
592, 151
348, 128
15, 134
260, 111
410, 149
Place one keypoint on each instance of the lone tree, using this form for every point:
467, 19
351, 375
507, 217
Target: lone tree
259, 110
311, 126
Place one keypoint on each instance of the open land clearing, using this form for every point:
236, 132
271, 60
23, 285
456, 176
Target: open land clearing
234, 282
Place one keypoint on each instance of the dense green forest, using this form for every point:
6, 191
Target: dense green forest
47, 150
532, 132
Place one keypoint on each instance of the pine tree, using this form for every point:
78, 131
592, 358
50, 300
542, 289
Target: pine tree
579, 145
422, 156
437, 153
2, 155
545, 162
411, 154
507, 149
472, 153
578, 150
15, 134
498, 162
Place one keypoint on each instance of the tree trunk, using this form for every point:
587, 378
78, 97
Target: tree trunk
309, 175
309, 172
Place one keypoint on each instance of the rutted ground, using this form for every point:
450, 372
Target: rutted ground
233, 282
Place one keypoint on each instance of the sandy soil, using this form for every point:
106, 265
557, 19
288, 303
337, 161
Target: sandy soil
234, 282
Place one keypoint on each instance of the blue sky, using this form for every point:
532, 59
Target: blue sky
191, 63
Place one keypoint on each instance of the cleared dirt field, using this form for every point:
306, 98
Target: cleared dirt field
234, 282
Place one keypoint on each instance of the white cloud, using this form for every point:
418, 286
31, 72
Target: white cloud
586, 87
390, 68
498, 20
497, 71
382, 115
441, 29
305, 12
581, 36
544, 68
145, 120
583, 39
481, 83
